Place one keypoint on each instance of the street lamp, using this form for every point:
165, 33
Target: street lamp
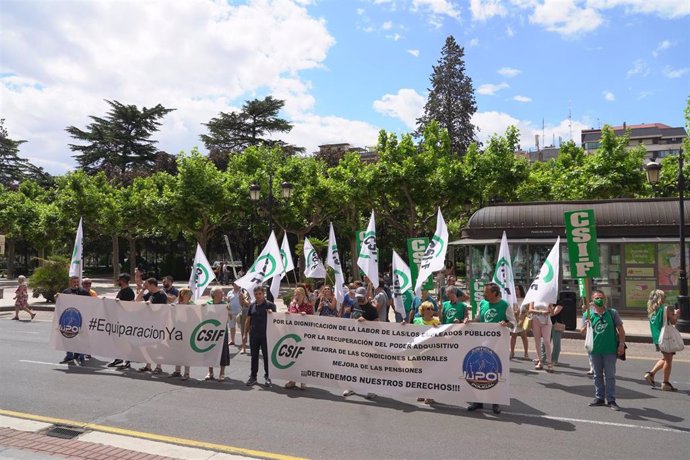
255, 194
652, 170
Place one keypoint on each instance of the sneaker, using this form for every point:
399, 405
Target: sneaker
115, 362
474, 406
146, 368
613, 406
209, 376
185, 377
157, 370
175, 374
597, 402
649, 378
290, 384
267, 383
666, 386
251, 381
347, 393
66, 361
590, 372
496, 408
429, 401
81, 361
124, 366
370, 396
302, 386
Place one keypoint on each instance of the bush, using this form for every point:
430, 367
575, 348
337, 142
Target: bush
50, 278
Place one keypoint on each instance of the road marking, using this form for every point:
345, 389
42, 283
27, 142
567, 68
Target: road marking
638, 358
599, 422
37, 362
151, 436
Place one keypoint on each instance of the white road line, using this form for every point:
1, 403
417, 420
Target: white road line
598, 422
38, 362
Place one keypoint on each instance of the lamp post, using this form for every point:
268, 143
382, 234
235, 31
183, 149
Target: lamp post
652, 170
255, 195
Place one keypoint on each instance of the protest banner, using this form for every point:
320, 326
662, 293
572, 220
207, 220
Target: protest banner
454, 363
135, 331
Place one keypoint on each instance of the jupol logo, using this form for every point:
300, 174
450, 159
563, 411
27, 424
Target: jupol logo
203, 333
70, 322
286, 350
482, 368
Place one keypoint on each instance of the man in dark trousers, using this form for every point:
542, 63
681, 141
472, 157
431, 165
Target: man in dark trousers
255, 323
125, 293
74, 289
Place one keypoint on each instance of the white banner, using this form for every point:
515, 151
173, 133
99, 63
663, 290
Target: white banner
368, 259
266, 266
136, 331
75, 266
402, 282
503, 274
202, 274
544, 288
435, 254
454, 363
333, 261
313, 267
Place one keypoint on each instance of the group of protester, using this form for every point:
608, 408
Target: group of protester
363, 302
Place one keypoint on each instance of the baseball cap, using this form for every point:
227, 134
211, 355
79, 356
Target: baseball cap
361, 293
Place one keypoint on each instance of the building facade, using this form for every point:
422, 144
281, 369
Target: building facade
658, 139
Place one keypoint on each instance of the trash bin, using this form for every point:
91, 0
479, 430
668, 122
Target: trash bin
569, 313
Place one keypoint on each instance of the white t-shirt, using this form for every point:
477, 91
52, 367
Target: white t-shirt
543, 316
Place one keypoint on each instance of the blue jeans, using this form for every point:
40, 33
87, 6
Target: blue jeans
78, 356
605, 376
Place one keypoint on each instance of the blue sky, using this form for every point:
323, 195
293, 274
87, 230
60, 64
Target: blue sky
346, 68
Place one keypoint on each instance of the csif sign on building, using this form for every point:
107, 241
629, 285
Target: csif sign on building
581, 234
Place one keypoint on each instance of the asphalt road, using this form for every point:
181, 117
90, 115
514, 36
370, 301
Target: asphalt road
548, 416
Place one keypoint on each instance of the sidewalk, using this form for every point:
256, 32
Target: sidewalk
636, 328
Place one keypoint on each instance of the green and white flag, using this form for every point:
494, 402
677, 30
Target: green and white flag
313, 266
503, 275
202, 274
544, 288
286, 258
75, 266
333, 261
368, 259
402, 282
265, 267
434, 257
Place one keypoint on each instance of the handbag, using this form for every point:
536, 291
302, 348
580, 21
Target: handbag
589, 337
670, 340
560, 327
527, 324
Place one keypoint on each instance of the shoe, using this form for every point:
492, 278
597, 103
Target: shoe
81, 361
175, 374
33, 315
512, 355
650, 379
66, 361
268, 383
115, 362
157, 370
496, 409
526, 357
232, 343
251, 381
302, 386
429, 401
370, 396
549, 367
243, 351
209, 376
16, 318
474, 406
597, 402
290, 384
590, 372
539, 366
613, 406
347, 393
185, 377
124, 366
420, 399
221, 378
535, 360
666, 386
146, 368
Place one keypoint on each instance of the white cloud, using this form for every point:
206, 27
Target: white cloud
474, 42
639, 67
670, 72
519, 98
644, 94
565, 17
663, 45
436, 7
509, 72
668, 9
82, 53
509, 31
360, 11
414, 53
483, 10
312, 130
395, 37
388, 25
608, 95
489, 89
407, 105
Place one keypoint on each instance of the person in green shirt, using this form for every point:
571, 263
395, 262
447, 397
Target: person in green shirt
453, 310
655, 312
493, 309
609, 343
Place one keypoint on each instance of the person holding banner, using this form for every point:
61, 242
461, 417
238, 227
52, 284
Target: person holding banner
427, 318
326, 304
363, 311
299, 306
184, 297
217, 297
256, 323
608, 344
125, 293
74, 289
453, 310
655, 312
493, 309
151, 293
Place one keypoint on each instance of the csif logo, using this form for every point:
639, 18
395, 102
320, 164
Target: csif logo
70, 323
286, 347
201, 275
206, 335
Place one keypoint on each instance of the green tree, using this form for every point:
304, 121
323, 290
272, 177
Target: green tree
119, 142
451, 98
13, 169
16, 216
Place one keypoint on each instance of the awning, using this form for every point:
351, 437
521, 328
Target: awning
550, 240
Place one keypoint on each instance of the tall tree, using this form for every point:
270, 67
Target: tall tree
120, 141
12, 168
235, 131
451, 98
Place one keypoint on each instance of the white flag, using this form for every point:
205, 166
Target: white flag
313, 266
333, 261
266, 266
544, 288
286, 258
503, 275
402, 282
434, 257
75, 266
368, 259
202, 274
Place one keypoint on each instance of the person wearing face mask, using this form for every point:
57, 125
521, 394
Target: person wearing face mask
348, 301
609, 343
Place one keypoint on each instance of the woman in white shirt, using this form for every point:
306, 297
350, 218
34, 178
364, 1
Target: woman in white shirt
541, 329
